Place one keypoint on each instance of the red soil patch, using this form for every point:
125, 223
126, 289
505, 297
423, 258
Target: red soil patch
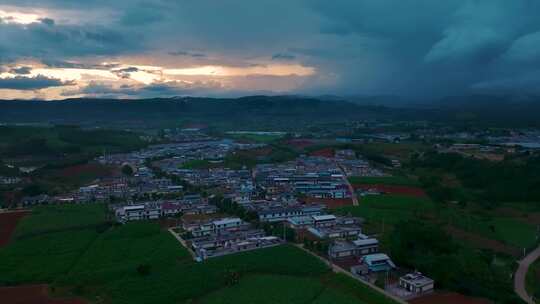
448, 298
32, 294
482, 242
331, 203
392, 189
262, 151
169, 223
93, 169
8, 222
533, 218
300, 143
326, 152
346, 263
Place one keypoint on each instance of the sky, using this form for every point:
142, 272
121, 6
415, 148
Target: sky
56, 49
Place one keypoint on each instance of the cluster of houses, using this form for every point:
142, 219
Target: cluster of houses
317, 177
153, 210
121, 188
9, 180
222, 236
274, 193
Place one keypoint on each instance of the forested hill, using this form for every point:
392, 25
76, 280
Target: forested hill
254, 110
269, 112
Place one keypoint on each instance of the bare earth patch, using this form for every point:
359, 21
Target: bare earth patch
32, 294
8, 223
483, 242
448, 298
393, 189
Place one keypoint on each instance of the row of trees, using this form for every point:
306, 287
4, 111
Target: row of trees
482, 180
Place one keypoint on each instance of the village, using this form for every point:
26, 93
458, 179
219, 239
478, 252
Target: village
215, 211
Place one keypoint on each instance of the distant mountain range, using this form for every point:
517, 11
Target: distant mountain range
281, 112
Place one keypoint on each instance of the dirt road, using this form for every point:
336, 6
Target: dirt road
521, 273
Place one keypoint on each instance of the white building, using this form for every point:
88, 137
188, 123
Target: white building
416, 283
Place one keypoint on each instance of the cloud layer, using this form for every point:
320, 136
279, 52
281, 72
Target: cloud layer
343, 47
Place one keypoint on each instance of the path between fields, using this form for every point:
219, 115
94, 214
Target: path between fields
521, 274
354, 197
8, 222
337, 269
181, 240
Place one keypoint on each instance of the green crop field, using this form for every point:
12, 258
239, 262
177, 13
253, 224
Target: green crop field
390, 208
326, 289
60, 143
510, 230
54, 218
69, 248
268, 289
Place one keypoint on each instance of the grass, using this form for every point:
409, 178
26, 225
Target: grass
62, 142
385, 180
327, 289
401, 151
390, 208
43, 258
533, 280
56, 218
268, 289
507, 229
259, 138
197, 164
393, 209
49, 241
67, 247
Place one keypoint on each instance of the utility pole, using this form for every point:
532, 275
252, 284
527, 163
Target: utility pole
284, 237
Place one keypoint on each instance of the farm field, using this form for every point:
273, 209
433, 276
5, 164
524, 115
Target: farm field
59, 144
255, 137
33, 294
81, 257
46, 219
384, 180
511, 230
329, 288
390, 208
393, 189
8, 223
66, 178
448, 298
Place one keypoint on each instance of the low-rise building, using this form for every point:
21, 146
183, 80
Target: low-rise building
416, 283
364, 245
138, 212
378, 262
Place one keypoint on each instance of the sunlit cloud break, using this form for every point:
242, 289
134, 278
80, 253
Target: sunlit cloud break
316, 47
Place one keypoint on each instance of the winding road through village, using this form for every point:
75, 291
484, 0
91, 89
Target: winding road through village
521, 274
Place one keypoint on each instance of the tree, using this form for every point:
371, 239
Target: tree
144, 269
127, 170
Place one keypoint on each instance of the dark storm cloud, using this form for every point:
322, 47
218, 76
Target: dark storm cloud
283, 56
143, 14
416, 47
55, 42
163, 89
47, 21
54, 63
188, 54
24, 70
31, 83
